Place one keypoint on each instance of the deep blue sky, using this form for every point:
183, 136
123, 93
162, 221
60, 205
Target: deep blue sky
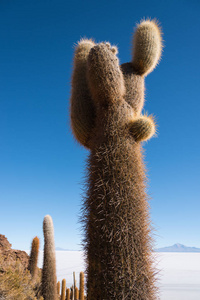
41, 166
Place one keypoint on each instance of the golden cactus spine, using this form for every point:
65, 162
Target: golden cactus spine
116, 220
33, 260
49, 284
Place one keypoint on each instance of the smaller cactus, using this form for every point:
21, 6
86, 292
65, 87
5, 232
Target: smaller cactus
72, 293
76, 293
58, 288
81, 290
68, 294
32, 266
49, 284
63, 289
142, 128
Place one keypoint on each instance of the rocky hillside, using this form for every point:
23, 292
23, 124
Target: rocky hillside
10, 255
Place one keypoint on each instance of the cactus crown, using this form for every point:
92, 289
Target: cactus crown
99, 81
48, 228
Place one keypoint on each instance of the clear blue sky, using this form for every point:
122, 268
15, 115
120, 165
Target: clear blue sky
41, 166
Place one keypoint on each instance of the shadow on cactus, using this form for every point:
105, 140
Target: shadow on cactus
106, 104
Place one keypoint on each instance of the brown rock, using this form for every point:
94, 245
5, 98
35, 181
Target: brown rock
10, 255
4, 243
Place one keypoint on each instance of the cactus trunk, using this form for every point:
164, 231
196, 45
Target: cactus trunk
117, 240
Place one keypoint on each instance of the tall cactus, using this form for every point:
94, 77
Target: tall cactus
117, 240
33, 260
49, 284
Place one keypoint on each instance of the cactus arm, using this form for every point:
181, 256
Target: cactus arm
147, 47
143, 128
82, 111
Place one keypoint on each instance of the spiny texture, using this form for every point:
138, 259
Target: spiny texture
116, 223
117, 226
63, 289
49, 290
81, 289
147, 47
32, 267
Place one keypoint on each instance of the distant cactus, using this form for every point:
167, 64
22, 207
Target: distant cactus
76, 293
63, 292
81, 288
68, 294
58, 288
49, 285
33, 260
72, 292
117, 238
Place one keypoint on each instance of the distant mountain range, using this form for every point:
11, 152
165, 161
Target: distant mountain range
175, 248
62, 249
178, 248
